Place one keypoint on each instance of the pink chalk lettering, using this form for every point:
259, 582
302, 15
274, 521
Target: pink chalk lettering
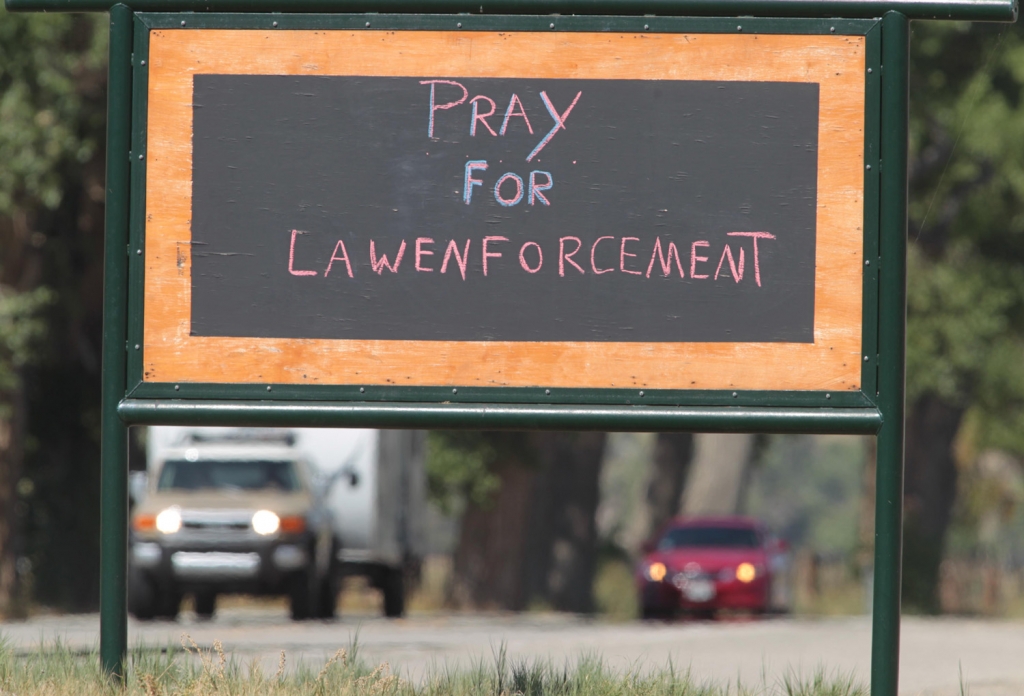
593, 264
291, 258
335, 257
460, 259
559, 122
379, 266
755, 236
434, 106
623, 254
522, 257
514, 101
666, 263
694, 258
563, 257
491, 254
737, 273
421, 252
482, 118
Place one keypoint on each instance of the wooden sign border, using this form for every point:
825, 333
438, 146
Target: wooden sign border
598, 373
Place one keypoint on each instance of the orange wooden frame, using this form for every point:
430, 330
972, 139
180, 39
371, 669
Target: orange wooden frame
831, 362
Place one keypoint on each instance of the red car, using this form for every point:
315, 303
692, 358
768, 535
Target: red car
701, 565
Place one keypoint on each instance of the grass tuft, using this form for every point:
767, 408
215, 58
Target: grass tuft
56, 670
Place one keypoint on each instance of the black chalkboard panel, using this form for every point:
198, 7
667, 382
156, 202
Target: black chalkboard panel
637, 211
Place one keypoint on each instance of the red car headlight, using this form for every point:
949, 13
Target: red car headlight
655, 571
748, 572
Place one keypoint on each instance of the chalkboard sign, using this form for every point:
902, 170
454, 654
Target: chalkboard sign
436, 208
416, 208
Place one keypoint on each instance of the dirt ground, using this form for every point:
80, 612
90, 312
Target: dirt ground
935, 652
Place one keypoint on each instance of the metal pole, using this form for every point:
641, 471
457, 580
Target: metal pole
964, 10
501, 416
892, 316
114, 444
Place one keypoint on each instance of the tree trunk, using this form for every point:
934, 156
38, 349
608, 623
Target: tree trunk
490, 556
673, 453
930, 490
718, 474
11, 455
536, 540
562, 541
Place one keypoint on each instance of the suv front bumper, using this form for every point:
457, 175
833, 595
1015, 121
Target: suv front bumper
250, 566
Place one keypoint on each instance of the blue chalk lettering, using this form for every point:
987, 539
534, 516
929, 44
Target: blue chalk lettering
470, 182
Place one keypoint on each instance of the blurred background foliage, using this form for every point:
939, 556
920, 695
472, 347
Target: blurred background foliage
965, 372
52, 120
574, 507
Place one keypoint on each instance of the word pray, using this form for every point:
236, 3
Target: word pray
478, 117
572, 257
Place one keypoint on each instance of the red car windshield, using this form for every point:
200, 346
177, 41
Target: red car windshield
708, 537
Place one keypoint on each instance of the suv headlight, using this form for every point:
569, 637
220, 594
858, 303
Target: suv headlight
265, 522
169, 520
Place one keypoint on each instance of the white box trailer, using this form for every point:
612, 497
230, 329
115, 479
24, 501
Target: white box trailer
372, 481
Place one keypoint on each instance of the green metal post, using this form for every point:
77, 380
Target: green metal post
892, 316
114, 444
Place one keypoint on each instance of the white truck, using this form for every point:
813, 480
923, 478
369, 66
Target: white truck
370, 483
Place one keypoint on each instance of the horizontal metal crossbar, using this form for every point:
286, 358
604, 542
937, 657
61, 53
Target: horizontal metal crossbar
500, 417
967, 10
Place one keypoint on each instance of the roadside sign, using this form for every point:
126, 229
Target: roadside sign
561, 209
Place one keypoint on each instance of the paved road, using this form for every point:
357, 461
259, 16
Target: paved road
991, 653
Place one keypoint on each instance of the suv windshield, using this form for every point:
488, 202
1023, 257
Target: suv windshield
228, 474
705, 537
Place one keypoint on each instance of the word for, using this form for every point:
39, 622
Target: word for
515, 109
536, 188
572, 257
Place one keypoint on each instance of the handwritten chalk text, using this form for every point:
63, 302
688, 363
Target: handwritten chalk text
708, 259
515, 113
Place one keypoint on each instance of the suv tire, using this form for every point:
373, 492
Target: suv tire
302, 596
205, 602
327, 598
394, 593
142, 596
168, 604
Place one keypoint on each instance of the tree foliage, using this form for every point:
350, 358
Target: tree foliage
965, 321
44, 58
52, 117
965, 333
460, 469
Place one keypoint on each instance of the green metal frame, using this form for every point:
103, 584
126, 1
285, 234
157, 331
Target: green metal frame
892, 327
114, 439
964, 10
540, 395
869, 410
877, 408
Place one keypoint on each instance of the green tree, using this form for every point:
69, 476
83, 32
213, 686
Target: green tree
528, 532
965, 332
51, 192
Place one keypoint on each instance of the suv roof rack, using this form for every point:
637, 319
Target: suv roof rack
242, 435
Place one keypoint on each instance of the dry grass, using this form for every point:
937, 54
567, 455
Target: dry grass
55, 670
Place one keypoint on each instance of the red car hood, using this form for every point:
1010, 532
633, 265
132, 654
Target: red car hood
710, 560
